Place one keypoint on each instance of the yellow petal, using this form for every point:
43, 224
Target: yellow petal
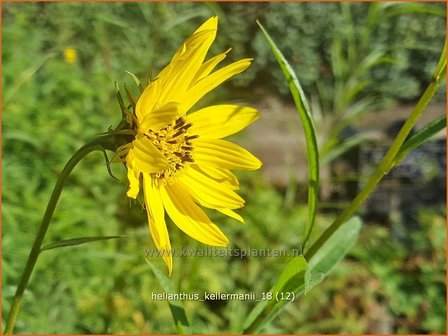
156, 221
223, 176
208, 83
148, 99
189, 217
208, 192
208, 66
220, 121
218, 153
177, 55
146, 157
232, 214
211, 23
159, 118
186, 67
179, 73
134, 185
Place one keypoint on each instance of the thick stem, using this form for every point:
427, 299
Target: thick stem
389, 159
97, 144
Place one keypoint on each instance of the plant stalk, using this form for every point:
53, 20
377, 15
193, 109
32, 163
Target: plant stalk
389, 159
99, 143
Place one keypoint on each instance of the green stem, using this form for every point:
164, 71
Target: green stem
98, 143
389, 159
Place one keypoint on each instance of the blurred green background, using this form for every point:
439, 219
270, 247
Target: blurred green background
393, 280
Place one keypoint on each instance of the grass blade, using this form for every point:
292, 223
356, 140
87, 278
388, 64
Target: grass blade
176, 307
309, 130
400, 8
420, 137
22, 78
342, 148
76, 241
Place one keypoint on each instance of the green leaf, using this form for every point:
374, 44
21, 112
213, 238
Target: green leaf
423, 135
22, 78
254, 321
339, 149
413, 7
309, 130
336, 247
76, 241
123, 107
374, 58
291, 280
176, 307
22, 137
312, 279
294, 270
137, 81
131, 97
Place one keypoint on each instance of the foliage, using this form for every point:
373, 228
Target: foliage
51, 107
317, 25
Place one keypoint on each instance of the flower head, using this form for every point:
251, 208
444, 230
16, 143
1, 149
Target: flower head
178, 158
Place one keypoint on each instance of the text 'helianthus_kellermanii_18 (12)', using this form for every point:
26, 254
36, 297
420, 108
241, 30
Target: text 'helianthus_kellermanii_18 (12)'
179, 159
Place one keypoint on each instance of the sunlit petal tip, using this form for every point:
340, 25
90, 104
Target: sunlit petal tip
226, 243
132, 192
167, 259
210, 193
222, 154
189, 217
134, 184
219, 121
211, 23
257, 162
169, 263
156, 220
232, 214
223, 242
214, 79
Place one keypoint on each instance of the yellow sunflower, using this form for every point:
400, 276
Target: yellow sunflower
179, 159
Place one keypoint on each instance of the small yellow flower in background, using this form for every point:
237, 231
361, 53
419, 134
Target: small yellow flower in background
180, 160
70, 55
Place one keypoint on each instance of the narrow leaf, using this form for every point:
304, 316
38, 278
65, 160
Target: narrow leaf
299, 277
76, 241
124, 110
131, 97
176, 307
335, 248
309, 130
22, 78
22, 137
291, 280
295, 268
108, 162
137, 81
312, 279
420, 137
341, 148
397, 8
